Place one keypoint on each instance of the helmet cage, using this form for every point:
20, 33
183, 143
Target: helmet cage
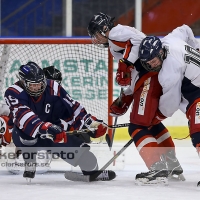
99, 40
37, 93
148, 67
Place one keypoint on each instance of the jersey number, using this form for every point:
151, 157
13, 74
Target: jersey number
193, 56
11, 101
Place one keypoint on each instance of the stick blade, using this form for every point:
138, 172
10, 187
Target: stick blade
74, 176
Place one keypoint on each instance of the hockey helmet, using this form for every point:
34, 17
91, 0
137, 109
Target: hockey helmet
98, 26
32, 78
150, 48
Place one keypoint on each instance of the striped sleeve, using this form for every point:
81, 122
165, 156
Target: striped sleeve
76, 112
22, 116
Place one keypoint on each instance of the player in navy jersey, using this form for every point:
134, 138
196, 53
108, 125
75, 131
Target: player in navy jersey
37, 107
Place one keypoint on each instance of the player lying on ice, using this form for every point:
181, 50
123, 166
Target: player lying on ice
151, 137
37, 106
177, 58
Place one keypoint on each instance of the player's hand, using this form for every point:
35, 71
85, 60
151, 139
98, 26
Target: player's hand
95, 126
120, 107
123, 76
158, 118
59, 136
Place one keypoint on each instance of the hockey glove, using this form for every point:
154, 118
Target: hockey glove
158, 118
120, 107
123, 76
58, 135
95, 126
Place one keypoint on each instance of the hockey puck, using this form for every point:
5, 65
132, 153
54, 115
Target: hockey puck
198, 184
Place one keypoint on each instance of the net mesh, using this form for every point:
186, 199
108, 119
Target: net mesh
84, 70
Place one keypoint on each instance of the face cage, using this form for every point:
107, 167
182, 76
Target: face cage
149, 68
161, 56
97, 40
32, 93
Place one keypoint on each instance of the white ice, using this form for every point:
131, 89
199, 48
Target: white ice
53, 186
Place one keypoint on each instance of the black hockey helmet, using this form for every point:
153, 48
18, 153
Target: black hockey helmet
52, 73
100, 23
31, 74
150, 48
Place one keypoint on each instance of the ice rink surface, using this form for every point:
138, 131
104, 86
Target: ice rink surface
53, 185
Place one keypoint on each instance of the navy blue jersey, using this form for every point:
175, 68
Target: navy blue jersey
54, 105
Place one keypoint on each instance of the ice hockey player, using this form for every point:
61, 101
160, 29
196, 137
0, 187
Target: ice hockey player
151, 137
177, 58
5, 132
54, 74
37, 106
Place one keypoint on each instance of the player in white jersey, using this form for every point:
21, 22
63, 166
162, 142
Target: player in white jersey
123, 42
5, 133
177, 58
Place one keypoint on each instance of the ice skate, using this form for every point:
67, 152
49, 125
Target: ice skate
157, 175
175, 171
30, 169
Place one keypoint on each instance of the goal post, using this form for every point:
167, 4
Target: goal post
87, 70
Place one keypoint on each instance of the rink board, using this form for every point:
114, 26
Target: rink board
175, 131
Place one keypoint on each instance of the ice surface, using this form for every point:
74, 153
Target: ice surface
51, 186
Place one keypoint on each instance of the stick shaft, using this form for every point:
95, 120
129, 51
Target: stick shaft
94, 176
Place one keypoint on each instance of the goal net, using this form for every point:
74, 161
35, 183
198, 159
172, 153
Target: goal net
84, 68
87, 70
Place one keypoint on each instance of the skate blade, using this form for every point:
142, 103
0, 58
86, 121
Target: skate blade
175, 177
158, 181
28, 180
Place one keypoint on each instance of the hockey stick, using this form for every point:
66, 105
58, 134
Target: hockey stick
75, 132
109, 138
117, 125
78, 132
75, 176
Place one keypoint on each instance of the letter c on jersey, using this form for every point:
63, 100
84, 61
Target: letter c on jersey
47, 108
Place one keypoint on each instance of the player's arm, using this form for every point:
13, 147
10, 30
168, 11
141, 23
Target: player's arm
120, 105
123, 75
185, 33
25, 119
78, 118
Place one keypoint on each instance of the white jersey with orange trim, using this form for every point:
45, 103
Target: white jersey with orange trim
180, 72
124, 42
5, 135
